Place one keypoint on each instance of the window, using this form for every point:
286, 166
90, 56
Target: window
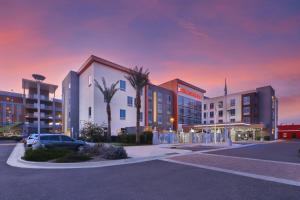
66, 138
232, 102
211, 105
159, 118
204, 106
204, 115
169, 99
246, 100
150, 94
159, 108
220, 121
141, 117
220, 113
204, 122
122, 85
232, 120
220, 104
246, 110
69, 85
232, 112
211, 121
211, 114
90, 80
246, 120
159, 97
90, 112
122, 114
130, 101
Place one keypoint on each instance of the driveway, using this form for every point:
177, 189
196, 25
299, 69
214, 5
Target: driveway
285, 151
149, 180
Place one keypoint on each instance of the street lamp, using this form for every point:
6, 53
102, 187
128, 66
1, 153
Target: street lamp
172, 122
39, 78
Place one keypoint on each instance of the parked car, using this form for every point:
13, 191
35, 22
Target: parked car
57, 141
30, 139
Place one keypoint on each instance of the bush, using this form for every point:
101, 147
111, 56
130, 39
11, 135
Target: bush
146, 137
113, 152
257, 138
92, 132
73, 157
127, 139
43, 155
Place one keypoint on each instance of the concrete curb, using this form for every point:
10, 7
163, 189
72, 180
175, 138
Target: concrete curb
15, 160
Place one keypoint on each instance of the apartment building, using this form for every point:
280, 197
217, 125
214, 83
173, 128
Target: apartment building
11, 108
50, 120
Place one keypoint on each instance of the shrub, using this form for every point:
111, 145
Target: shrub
89, 150
127, 139
73, 157
257, 138
42, 154
113, 152
146, 137
92, 132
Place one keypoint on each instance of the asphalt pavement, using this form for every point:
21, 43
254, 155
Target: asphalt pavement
149, 180
285, 151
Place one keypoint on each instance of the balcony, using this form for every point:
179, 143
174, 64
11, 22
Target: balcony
35, 96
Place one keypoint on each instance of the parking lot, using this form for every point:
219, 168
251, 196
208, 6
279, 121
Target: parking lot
148, 180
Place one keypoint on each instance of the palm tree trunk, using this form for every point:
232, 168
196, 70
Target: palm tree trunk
108, 137
138, 115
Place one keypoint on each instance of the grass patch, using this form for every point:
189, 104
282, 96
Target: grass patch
43, 155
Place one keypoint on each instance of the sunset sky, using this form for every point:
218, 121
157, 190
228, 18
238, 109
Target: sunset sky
252, 43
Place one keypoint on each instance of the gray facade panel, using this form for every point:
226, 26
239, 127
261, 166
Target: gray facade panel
70, 91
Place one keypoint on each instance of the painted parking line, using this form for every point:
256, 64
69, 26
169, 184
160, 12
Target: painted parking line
8, 144
251, 175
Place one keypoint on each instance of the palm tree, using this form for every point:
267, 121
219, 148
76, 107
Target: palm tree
138, 78
108, 93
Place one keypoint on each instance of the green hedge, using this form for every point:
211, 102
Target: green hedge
43, 155
73, 157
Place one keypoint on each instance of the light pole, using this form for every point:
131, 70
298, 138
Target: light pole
172, 122
39, 78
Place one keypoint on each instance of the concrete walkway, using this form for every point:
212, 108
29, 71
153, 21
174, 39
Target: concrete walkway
281, 172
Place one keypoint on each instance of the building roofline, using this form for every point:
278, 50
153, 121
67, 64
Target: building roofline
96, 59
13, 94
186, 84
26, 84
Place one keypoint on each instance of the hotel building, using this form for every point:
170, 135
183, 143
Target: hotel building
175, 104
251, 111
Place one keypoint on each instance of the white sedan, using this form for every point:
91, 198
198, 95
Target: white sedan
31, 139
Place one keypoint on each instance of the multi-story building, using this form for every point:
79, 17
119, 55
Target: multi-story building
11, 108
256, 108
50, 108
187, 102
159, 107
175, 104
79, 92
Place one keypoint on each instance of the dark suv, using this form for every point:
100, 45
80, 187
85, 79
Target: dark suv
57, 141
